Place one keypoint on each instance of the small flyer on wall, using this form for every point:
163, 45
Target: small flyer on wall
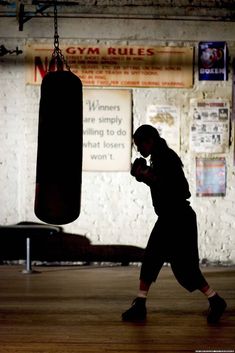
210, 176
213, 61
209, 129
166, 119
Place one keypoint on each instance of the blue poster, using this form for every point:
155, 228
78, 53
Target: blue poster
213, 61
210, 176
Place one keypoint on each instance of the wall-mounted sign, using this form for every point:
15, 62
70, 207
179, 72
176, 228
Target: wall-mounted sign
117, 66
213, 61
107, 130
209, 125
210, 176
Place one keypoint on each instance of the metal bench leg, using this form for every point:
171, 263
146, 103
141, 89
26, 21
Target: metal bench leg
28, 265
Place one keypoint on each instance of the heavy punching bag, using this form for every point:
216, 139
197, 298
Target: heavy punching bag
59, 154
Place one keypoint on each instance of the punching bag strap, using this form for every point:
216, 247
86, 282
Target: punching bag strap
58, 60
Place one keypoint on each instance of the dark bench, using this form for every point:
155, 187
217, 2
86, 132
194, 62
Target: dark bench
50, 244
27, 231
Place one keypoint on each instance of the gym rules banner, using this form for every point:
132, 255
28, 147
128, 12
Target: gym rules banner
117, 66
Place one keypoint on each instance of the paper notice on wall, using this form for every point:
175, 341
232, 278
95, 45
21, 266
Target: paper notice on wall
107, 130
166, 119
209, 130
210, 176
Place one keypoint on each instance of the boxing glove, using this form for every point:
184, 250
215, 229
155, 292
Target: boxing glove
139, 162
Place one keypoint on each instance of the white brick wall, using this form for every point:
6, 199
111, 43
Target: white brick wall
115, 208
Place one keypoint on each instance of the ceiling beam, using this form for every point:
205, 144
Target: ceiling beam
182, 10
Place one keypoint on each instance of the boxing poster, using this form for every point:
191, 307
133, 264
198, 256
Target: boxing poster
213, 61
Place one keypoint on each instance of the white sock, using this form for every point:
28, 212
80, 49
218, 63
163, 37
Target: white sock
210, 293
142, 294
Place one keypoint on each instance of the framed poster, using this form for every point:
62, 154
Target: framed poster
213, 61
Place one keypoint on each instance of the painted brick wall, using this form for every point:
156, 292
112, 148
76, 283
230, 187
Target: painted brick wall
115, 208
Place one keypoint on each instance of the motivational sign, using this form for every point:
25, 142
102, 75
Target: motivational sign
117, 66
107, 130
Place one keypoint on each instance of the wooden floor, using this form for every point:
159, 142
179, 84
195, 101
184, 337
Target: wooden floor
78, 310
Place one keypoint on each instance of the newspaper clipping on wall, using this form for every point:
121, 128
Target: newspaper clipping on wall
209, 130
166, 119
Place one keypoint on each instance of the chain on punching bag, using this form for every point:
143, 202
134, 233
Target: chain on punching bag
59, 154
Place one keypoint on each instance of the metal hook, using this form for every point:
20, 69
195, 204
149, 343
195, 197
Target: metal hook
4, 51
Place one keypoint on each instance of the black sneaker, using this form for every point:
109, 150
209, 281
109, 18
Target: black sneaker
216, 309
137, 311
